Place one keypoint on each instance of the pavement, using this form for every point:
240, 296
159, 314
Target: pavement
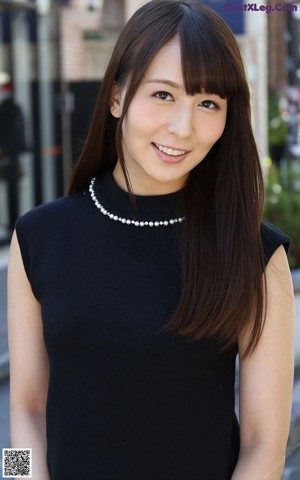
292, 463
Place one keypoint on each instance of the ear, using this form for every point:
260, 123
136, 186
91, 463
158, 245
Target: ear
116, 101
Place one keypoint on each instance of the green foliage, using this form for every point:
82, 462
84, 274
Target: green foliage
282, 207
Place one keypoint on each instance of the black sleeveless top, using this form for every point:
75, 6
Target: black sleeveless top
126, 400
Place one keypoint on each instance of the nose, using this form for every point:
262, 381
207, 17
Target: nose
181, 122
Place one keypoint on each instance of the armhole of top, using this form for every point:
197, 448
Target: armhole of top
286, 243
23, 249
272, 239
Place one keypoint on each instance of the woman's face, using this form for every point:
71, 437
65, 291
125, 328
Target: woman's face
166, 132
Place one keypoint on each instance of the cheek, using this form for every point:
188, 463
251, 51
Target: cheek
210, 131
143, 118
137, 129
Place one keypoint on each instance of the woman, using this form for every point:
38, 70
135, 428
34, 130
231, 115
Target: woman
141, 286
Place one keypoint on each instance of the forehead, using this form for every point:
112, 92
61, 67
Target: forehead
167, 62
167, 67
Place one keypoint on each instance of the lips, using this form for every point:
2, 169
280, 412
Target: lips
170, 155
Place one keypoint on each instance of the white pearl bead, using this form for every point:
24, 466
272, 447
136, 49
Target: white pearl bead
127, 221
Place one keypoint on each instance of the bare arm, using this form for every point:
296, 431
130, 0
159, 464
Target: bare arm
266, 382
29, 368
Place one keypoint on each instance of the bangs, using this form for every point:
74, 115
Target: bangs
206, 58
210, 57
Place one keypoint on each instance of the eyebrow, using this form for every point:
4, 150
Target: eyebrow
166, 82
176, 85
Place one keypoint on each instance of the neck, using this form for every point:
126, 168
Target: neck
142, 187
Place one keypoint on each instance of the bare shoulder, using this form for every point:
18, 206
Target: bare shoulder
279, 278
280, 299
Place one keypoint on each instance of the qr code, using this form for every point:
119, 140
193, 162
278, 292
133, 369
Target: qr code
17, 462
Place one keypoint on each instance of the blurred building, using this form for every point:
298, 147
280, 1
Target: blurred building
284, 83
30, 79
89, 29
294, 84
277, 52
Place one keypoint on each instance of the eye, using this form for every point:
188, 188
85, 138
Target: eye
209, 105
163, 95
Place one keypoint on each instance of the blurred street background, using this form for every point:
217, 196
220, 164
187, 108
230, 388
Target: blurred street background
53, 54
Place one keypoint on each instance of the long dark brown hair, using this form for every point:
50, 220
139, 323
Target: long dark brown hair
222, 259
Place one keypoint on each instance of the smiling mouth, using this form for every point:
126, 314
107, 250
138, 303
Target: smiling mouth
170, 151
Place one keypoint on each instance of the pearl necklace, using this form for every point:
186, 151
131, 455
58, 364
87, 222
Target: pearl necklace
125, 220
